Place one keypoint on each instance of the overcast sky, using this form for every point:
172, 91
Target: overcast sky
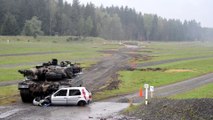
200, 10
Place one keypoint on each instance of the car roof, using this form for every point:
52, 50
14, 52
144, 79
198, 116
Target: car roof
73, 88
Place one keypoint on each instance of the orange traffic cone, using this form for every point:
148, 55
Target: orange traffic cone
141, 92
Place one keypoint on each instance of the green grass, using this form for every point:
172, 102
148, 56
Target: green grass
85, 51
9, 94
205, 91
173, 50
47, 57
8, 74
130, 109
131, 81
12, 90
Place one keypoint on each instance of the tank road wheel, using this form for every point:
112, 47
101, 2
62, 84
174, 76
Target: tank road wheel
26, 97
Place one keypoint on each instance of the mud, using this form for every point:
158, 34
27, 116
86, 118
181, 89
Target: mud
152, 69
179, 70
94, 111
97, 76
114, 83
104, 71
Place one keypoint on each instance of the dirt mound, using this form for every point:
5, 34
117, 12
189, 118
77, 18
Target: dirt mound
167, 109
152, 69
129, 68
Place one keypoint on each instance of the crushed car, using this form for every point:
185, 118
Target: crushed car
66, 96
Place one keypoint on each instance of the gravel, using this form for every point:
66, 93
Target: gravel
168, 109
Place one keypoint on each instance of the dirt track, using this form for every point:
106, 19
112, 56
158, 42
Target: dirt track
168, 90
94, 78
103, 70
96, 110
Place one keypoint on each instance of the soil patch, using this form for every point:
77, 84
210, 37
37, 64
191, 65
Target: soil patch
167, 109
152, 69
146, 51
107, 55
146, 69
112, 84
178, 70
109, 51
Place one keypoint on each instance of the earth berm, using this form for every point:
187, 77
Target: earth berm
169, 109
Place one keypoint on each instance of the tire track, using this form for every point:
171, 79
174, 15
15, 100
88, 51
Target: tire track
168, 90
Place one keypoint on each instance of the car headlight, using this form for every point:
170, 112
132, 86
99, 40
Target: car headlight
23, 86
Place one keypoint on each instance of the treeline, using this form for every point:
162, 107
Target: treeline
56, 17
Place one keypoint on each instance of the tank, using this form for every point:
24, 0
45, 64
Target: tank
43, 80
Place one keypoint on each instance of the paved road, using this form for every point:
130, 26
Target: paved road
94, 111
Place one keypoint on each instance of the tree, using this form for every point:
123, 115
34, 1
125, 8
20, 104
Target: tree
154, 28
75, 17
32, 27
62, 18
88, 26
81, 25
116, 28
148, 25
9, 26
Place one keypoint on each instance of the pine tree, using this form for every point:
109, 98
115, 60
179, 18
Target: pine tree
9, 26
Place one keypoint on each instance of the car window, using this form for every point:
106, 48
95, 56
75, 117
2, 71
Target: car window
74, 92
87, 90
61, 93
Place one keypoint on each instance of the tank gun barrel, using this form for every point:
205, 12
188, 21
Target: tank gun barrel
26, 72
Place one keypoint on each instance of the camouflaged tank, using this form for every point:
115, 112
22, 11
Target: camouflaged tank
43, 80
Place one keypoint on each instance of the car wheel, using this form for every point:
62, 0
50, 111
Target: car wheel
45, 103
81, 103
88, 102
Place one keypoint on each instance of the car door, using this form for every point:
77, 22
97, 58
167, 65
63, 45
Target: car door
74, 96
60, 97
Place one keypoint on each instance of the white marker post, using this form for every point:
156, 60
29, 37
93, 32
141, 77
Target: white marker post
146, 86
151, 88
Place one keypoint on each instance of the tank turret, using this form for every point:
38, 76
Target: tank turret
45, 79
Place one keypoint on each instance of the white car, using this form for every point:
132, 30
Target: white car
68, 96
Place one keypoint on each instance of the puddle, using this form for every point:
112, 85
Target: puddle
94, 111
9, 113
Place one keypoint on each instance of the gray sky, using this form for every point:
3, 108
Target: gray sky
200, 10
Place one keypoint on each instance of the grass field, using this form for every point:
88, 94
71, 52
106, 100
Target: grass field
23, 52
173, 50
7, 74
131, 81
9, 94
205, 91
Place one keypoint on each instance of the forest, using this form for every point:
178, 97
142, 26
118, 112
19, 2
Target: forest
57, 17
